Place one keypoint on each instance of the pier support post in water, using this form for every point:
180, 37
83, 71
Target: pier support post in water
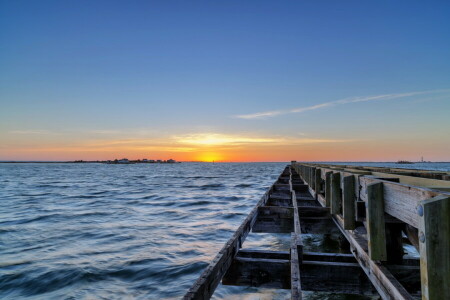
313, 178
328, 188
318, 182
376, 232
349, 202
434, 243
336, 194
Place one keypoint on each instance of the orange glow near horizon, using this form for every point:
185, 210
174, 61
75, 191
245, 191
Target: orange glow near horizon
224, 148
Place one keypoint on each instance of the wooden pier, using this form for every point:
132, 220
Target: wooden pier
374, 210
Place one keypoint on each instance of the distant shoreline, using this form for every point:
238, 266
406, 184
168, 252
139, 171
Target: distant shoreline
101, 162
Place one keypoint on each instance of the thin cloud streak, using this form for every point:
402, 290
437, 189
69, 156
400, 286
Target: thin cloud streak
269, 114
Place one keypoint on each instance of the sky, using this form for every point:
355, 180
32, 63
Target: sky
225, 80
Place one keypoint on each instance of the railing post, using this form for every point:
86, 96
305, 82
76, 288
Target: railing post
349, 202
318, 181
336, 194
376, 233
313, 178
328, 188
434, 244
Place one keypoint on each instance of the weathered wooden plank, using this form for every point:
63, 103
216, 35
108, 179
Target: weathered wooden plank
258, 253
400, 200
434, 238
336, 194
376, 233
329, 257
416, 181
349, 202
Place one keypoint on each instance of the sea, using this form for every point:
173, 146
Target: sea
137, 231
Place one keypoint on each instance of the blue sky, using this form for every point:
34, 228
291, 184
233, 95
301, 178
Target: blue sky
73, 72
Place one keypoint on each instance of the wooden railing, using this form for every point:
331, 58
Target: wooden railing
384, 203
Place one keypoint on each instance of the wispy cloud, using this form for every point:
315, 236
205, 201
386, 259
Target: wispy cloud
33, 132
217, 139
273, 113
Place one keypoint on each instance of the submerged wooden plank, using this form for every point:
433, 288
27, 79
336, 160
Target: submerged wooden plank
335, 277
259, 272
335, 273
434, 241
273, 219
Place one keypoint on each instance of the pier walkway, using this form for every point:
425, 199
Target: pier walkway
375, 213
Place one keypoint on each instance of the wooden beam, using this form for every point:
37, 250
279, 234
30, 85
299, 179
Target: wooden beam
296, 287
434, 243
258, 253
336, 194
386, 284
349, 202
376, 233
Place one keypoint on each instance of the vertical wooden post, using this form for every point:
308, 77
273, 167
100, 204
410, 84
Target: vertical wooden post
328, 188
336, 195
349, 202
434, 243
313, 178
309, 176
376, 233
318, 180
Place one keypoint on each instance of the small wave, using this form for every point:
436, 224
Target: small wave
196, 203
230, 198
232, 216
243, 185
34, 194
204, 186
211, 186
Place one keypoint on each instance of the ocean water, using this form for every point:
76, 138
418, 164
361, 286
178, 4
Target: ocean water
97, 231
143, 231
